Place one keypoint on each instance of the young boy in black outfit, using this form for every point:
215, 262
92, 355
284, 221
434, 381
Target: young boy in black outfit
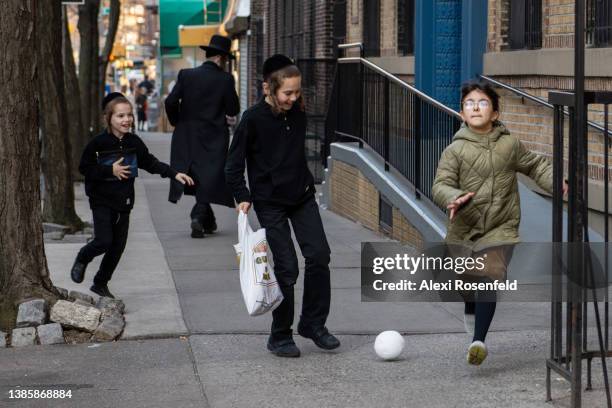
270, 138
110, 163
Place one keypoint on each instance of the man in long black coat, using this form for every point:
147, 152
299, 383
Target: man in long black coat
199, 106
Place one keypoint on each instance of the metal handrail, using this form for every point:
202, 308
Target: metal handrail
404, 84
350, 45
539, 101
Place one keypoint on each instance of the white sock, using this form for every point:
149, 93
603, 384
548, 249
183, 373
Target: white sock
469, 321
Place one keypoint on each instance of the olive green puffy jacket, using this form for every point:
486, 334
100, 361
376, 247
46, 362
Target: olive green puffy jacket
486, 165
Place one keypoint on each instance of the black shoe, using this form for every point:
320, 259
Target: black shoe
321, 337
77, 273
197, 231
209, 229
101, 290
284, 348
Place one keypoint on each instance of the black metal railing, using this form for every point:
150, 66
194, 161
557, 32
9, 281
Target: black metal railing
569, 344
317, 76
407, 128
599, 23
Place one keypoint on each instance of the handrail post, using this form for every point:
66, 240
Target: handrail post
386, 123
417, 146
361, 90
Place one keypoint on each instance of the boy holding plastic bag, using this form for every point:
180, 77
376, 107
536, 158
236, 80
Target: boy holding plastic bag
270, 138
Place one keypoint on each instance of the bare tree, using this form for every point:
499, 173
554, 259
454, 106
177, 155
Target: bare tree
88, 64
77, 132
113, 25
23, 267
58, 198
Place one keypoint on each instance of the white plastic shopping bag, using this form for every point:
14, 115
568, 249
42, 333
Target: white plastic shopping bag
260, 289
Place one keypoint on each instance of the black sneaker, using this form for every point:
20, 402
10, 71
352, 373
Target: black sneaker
284, 348
209, 229
197, 230
101, 290
77, 273
321, 337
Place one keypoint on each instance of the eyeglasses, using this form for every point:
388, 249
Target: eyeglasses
470, 104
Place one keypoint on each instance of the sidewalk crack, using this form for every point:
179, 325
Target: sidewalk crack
197, 373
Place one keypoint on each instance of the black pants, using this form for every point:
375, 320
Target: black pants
482, 303
308, 228
483, 314
203, 212
110, 237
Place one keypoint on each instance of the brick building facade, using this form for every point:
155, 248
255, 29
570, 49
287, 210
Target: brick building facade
528, 46
393, 47
545, 63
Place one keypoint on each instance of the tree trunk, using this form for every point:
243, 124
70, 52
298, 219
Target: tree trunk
58, 199
77, 132
113, 25
23, 267
88, 64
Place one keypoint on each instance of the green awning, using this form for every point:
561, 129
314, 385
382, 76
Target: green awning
173, 13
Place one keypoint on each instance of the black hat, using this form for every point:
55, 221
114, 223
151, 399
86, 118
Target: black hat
110, 97
218, 45
274, 63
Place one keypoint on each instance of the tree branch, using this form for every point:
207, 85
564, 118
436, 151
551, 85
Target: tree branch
113, 25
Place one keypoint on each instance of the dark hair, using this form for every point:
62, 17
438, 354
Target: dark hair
275, 81
483, 87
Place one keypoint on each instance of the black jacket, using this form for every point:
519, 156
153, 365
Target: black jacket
274, 150
197, 107
101, 186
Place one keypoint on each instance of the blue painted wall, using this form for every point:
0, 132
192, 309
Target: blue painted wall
450, 40
424, 22
448, 52
473, 38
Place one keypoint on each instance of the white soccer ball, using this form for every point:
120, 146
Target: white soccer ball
389, 345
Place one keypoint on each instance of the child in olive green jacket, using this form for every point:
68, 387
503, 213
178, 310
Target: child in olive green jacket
476, 181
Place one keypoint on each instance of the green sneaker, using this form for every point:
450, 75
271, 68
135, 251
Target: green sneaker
477, 352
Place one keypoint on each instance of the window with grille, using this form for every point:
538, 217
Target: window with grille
405, 27
292, 34
599, 23
525, 24
371, 28
339, 33
259, 57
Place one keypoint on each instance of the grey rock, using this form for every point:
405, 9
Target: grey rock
50, 227
88, 230
32, 313
82, 302
110, 313
75, 294
25, 336
74, 336
75, 239
70, 314
109, 329
53, 236
106, 303
2, 339
51, 333
62, 292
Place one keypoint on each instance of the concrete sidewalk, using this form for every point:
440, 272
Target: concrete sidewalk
142, 279
174, 285
232, 371
206, 276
